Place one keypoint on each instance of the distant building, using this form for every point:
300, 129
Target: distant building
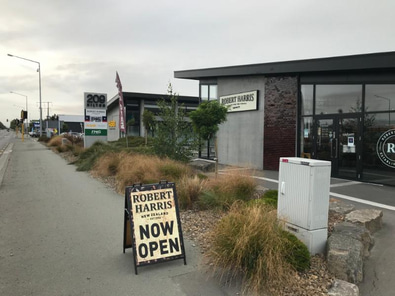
339, 109
135, 104
74, 123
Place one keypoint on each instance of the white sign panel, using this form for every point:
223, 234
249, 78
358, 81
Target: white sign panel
246, 101
95, 123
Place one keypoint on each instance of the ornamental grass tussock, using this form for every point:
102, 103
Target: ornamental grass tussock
221, 192
250, 241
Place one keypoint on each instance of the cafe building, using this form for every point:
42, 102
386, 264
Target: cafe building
339, 109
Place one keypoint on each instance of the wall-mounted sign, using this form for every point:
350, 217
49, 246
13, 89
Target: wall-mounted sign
246, 101
152, 224
385, 148
112, 124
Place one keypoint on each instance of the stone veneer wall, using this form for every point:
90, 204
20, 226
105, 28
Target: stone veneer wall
280, 123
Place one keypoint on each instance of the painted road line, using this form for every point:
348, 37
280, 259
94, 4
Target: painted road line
4, 161
346, 184
265, 179
342, 196
362, 201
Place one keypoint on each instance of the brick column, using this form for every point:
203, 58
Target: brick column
280, 120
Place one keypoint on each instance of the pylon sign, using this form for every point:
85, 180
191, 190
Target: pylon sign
95, 125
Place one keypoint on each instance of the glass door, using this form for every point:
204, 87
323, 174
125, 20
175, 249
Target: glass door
326, 141
338, 141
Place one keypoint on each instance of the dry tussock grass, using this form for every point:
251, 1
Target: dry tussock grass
224, 190
55, 141
108, 164
233, 182
133, 168
248, 241
189, 190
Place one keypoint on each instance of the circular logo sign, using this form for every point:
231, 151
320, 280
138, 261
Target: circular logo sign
386, 148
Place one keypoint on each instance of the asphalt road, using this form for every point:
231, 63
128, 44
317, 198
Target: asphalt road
61, 233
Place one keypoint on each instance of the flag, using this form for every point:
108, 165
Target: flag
121, 105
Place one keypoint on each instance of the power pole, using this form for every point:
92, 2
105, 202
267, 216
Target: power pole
47, 114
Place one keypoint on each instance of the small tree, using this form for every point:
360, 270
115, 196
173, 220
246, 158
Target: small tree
149, 123
174, 137
206, 120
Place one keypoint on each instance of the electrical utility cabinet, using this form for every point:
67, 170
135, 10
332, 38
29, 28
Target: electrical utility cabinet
303, 200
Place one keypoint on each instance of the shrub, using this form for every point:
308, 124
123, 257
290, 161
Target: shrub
270, 197
297, 253
55, 141
136, 168
223, 191
188, 191
43, 138
89, 156
249, 241
173, 170
132, 142
108, 164
61, 149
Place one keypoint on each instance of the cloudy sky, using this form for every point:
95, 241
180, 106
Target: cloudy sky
80, 44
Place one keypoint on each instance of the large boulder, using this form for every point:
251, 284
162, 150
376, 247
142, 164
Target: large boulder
345, 257
357, 232
370, 218
203, 165
342, 288
339, 207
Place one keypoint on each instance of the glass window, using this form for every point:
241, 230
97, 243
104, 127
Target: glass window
204, 92
380, 97
332, 99
208, 92
374, 170
213, 92
307, 99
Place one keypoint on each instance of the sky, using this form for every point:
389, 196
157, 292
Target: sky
80, 44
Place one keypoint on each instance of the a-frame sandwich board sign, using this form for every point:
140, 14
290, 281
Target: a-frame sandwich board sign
152, 225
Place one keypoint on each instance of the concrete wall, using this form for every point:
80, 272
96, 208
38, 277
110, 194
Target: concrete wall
113, 133
240, 138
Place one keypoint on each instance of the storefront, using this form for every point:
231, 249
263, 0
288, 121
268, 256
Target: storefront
340, 109
135, 104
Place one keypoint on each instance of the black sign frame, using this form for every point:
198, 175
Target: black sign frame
131, 226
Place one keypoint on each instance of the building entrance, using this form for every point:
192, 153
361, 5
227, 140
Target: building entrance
338, 140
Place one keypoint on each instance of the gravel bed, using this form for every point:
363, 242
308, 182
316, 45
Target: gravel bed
196, 226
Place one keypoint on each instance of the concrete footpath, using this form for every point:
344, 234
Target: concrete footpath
379, 269
61, 233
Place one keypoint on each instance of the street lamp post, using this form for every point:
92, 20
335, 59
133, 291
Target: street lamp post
39, 86
27, 119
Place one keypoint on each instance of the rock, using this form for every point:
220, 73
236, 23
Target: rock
357, 232
202, 165
370, 218
338, 207
345, 257
342, 288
